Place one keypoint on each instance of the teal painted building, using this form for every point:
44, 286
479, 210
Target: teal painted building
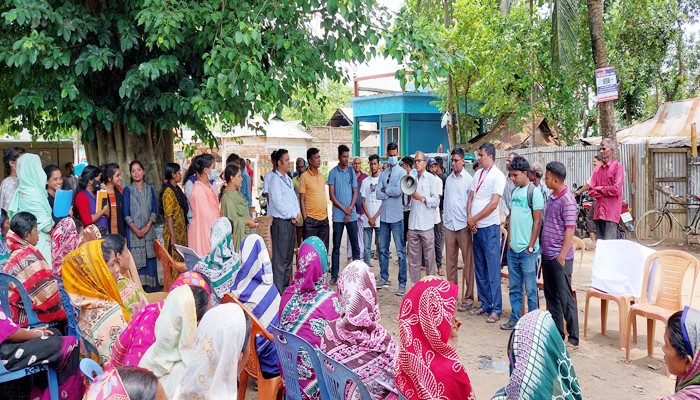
411, 119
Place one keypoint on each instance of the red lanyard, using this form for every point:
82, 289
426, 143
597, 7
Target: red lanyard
481, 178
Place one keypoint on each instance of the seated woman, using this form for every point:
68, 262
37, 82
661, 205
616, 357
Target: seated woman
90, 277
64, 239
540, 367
27, 264
22, 348
308, 305
223, 261
140, 334
126, 383
682, 353
221, 345
357, 339
428, 365
254, 287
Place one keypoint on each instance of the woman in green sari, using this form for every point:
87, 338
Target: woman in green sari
235, 207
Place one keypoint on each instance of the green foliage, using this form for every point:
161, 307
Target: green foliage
160, 64
316, 112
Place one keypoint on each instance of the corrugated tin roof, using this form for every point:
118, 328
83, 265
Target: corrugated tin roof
670, 127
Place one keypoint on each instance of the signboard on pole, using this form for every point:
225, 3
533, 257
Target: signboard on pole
606, 84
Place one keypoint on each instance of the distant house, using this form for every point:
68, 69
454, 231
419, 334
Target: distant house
511, 133
337, 131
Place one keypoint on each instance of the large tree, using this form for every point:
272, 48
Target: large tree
128, 73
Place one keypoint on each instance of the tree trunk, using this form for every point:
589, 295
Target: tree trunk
154, 149
606, 110
450, 82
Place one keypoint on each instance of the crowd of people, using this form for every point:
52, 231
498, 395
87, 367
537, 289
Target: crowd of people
186, 344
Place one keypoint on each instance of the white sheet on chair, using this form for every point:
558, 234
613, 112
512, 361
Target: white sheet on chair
618, 267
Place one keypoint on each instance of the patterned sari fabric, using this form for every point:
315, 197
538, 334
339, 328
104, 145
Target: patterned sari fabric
140, 334
175, 331
133, 296
64, 239
688, 385
107, 386
92, 289
221, 265
308, 305
428, 366
254, 287
60, 352
89, 233
28, 265
540, 366
357, 339
219, 344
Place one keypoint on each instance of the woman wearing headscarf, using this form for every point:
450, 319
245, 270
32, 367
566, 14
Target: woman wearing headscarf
540, 366
428, 365
308, 305
22, 348
254, 287
31, 197
90, 277
140, 214
125, 383
140, 334
221, 264
27, 264
64, 240
221, 344
357, 339
682, 353
174, 208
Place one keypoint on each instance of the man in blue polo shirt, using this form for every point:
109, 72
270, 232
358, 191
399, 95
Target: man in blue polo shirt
342, 189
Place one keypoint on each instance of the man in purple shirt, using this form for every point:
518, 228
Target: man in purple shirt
605, 188
558, 254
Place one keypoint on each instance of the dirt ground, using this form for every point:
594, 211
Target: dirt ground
599, 363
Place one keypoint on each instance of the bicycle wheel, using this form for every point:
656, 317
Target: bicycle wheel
696, 236
652, 228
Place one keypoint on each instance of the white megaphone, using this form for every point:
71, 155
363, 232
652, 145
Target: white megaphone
408, 185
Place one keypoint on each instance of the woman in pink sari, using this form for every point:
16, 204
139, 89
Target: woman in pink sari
357, 339
204, 205
307, 306
140, 335
64, 239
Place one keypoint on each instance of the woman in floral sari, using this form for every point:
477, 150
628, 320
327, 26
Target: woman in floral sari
90, 277
357, 339
540, 366
140, 334
222, 263
682, 353
308, 305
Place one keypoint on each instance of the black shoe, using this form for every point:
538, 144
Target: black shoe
508, 326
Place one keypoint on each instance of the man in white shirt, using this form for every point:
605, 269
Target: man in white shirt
421, 237
456, 233
484, 221
371, 205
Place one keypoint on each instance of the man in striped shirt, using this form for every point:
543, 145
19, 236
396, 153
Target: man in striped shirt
558, 254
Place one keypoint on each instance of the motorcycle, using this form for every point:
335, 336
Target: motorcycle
585, 206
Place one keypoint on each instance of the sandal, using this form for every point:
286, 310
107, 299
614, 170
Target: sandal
493, 318
478, 312
441, 271
465, 306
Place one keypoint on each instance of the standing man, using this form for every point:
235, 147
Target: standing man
371, 205
389, 192
457, 235
285, 214
536, 175
361, 218
605, 187
70, 181
250, 172
421, 236
342, 189
313, 200
558, 253
300, 169
407, 165
484, 220
524, 221
436, 168
510, 186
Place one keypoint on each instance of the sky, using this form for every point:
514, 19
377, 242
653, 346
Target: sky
379, 65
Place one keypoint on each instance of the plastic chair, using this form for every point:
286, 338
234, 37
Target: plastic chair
90, 368
672, 267
337, 375
72, 312
288, 346
267, 388
167, 264
33, 320
265, 231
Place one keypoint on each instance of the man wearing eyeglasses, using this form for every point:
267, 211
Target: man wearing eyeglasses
456, 232
605, 187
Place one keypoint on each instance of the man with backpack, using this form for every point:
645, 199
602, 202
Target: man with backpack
524, 222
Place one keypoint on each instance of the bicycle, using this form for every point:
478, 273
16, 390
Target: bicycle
655, 225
